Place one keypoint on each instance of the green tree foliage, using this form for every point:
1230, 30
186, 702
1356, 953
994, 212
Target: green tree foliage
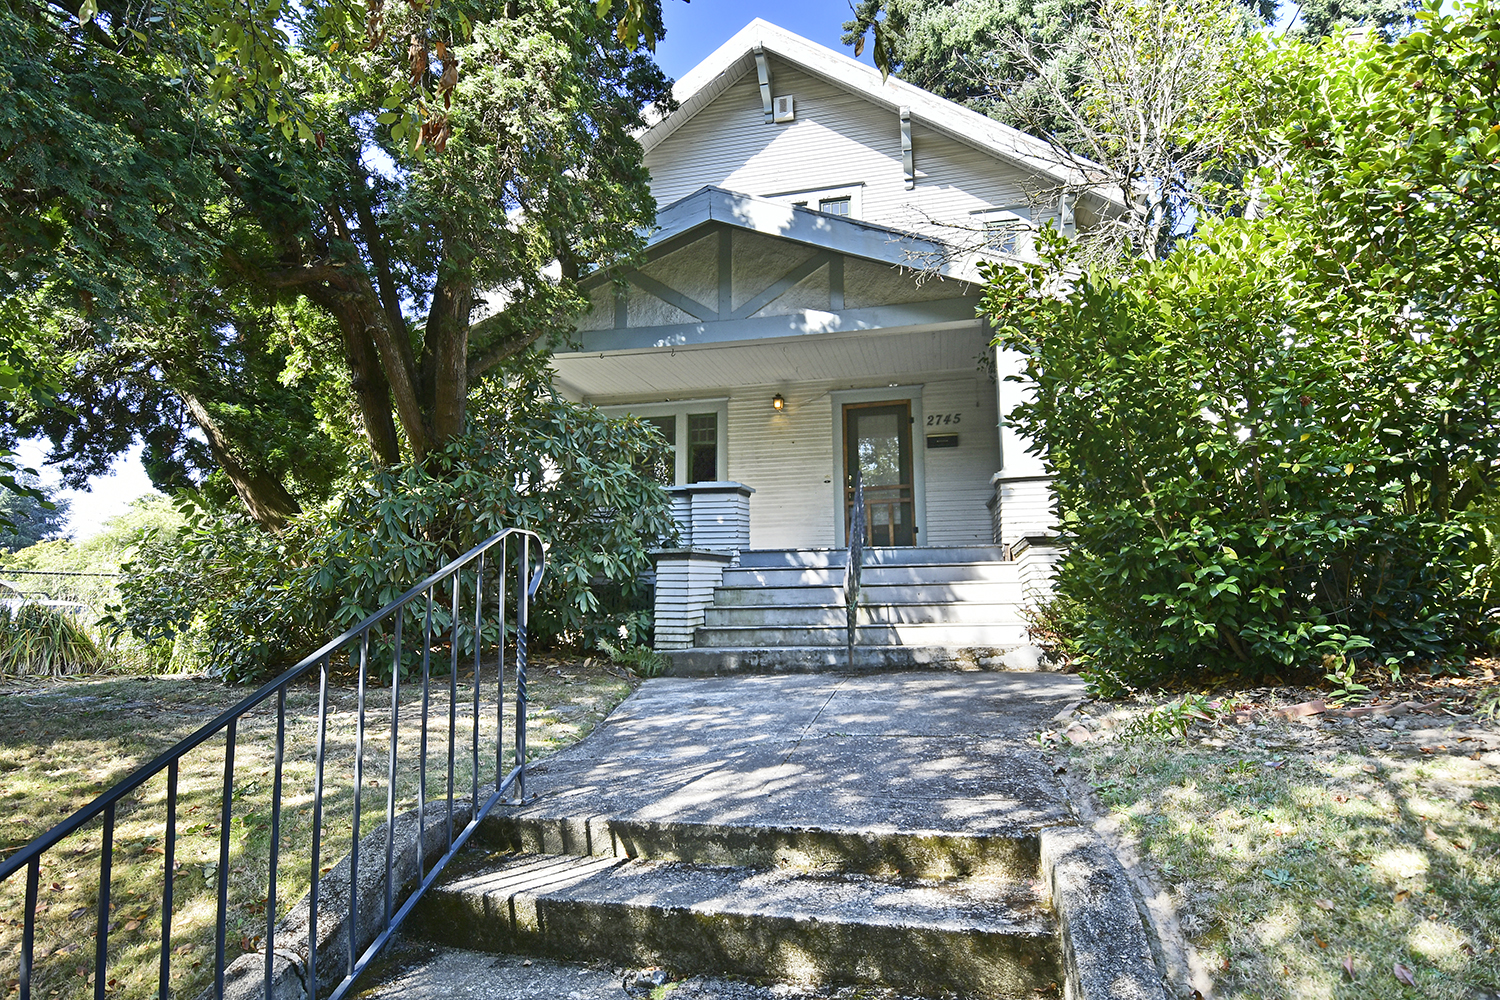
345, 188
1279, 441
257, 601
1003, 57
962, 50
1321, 18
31, 519
1117, 88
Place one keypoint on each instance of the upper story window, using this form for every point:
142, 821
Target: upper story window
843, 201
1006, 231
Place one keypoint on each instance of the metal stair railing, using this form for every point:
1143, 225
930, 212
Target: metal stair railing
467, 572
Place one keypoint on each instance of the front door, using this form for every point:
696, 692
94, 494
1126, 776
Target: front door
877, 441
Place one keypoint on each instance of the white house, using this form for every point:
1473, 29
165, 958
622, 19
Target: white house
809, 303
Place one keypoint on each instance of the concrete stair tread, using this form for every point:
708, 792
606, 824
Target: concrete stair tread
702, 661
983, 904
1000, 838
874, 556
413, 970
990, 592
997, 937
950, 634
870, 605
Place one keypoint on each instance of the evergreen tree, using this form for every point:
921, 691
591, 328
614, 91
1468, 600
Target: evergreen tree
34, 516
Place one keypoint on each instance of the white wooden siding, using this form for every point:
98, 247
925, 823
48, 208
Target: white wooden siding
788, 458
1025, 509
958, 479
838, 139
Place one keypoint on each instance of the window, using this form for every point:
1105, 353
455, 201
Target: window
666, 472
844, 200
1006, 231
695, 433
703, 447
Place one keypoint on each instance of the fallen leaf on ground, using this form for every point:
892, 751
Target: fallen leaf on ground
1324, 904
1319, 941
1369, 768
1403, 974
1403, 895
1349, 966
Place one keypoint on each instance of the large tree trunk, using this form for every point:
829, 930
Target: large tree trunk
445, 360
263, 495
372, 391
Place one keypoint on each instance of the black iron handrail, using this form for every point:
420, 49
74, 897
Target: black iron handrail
357, 637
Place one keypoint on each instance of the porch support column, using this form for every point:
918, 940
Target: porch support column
713, 526
685, 582
1022, 505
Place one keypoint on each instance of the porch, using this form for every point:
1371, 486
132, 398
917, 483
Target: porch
723, 607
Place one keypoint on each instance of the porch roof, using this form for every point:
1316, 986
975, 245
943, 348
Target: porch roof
686, 219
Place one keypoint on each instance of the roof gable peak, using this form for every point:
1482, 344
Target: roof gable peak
736, 57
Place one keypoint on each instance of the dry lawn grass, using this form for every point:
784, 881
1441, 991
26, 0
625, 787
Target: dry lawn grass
64, 742
1295, 849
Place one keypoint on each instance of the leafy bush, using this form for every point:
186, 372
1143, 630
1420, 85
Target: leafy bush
37, 639
1253, 471
258, 600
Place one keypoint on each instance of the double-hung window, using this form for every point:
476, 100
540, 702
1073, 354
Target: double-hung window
695, 431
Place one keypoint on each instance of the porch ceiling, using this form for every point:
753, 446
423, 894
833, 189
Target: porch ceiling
856, 357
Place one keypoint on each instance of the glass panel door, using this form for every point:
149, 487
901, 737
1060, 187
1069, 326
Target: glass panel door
877, 441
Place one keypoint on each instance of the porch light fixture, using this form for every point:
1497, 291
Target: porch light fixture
778, 402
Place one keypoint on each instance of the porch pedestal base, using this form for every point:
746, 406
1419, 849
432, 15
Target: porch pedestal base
685, 582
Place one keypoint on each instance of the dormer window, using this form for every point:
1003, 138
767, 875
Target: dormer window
844, 200
1005, 231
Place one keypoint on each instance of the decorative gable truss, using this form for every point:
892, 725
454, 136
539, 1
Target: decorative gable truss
730, 267
725, 308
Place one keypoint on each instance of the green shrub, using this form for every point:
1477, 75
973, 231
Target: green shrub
40, 640
257, 601
643, 661
1252, 472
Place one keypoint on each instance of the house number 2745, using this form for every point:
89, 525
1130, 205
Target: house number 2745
941, 419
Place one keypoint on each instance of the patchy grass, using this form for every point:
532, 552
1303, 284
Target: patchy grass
1292, 847
63, 742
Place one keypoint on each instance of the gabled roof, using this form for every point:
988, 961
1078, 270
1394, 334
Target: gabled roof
711, 205
736, 57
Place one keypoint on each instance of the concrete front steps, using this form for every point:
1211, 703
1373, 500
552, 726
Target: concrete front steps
783, 610
933, 914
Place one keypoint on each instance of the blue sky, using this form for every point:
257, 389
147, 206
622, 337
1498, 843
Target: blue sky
696, 29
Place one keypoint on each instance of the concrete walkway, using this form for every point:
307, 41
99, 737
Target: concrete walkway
940, 752
910, 780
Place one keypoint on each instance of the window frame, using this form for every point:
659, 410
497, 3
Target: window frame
1014, 220
808, 197
681, 409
